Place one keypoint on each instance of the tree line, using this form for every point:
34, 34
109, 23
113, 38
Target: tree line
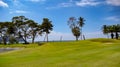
113, 30
22, 28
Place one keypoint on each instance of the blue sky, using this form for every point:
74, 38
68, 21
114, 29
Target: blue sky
95, 12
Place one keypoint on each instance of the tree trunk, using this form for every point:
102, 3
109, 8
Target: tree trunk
116, 35
47, 36
25, 40
84, 37
4, 40
112, 35
76, 38
33, 39
81, 33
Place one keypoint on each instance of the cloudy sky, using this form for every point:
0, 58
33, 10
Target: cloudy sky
95, 12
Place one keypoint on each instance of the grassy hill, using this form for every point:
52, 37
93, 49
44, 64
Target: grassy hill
88, 53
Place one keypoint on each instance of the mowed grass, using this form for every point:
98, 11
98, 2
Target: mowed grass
88, 53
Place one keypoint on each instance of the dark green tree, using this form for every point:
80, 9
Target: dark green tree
3, 31
46, 27
11, 31
22, 26
34, 29
105, 30
112, 29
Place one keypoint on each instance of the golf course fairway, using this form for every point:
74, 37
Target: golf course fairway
85, 53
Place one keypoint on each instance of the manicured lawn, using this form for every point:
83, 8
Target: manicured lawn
88, 53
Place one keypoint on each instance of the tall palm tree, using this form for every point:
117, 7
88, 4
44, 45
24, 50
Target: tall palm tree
111, 30
116, 30
46, 26
105, 30
81, 24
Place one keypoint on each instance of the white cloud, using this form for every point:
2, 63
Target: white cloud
65, 5
37, 0
3, 4
18, 4
87, 3
18, 11
113, 2
72, 3
60, 5
113, 18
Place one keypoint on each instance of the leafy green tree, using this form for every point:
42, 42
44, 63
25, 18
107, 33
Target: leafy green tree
11, 31
3, 31
46, 26
22, 26
34, 29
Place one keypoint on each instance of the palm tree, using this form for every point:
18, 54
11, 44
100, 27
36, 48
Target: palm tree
46, 26
105, 30
81, 24
111, 30
116, 30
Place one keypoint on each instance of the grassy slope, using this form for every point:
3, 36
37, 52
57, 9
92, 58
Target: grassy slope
89, 53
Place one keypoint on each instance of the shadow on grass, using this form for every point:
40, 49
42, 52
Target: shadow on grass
103, 40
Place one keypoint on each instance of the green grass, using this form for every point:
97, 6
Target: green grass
89, 53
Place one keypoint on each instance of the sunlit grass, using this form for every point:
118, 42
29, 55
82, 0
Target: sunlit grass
89, 53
